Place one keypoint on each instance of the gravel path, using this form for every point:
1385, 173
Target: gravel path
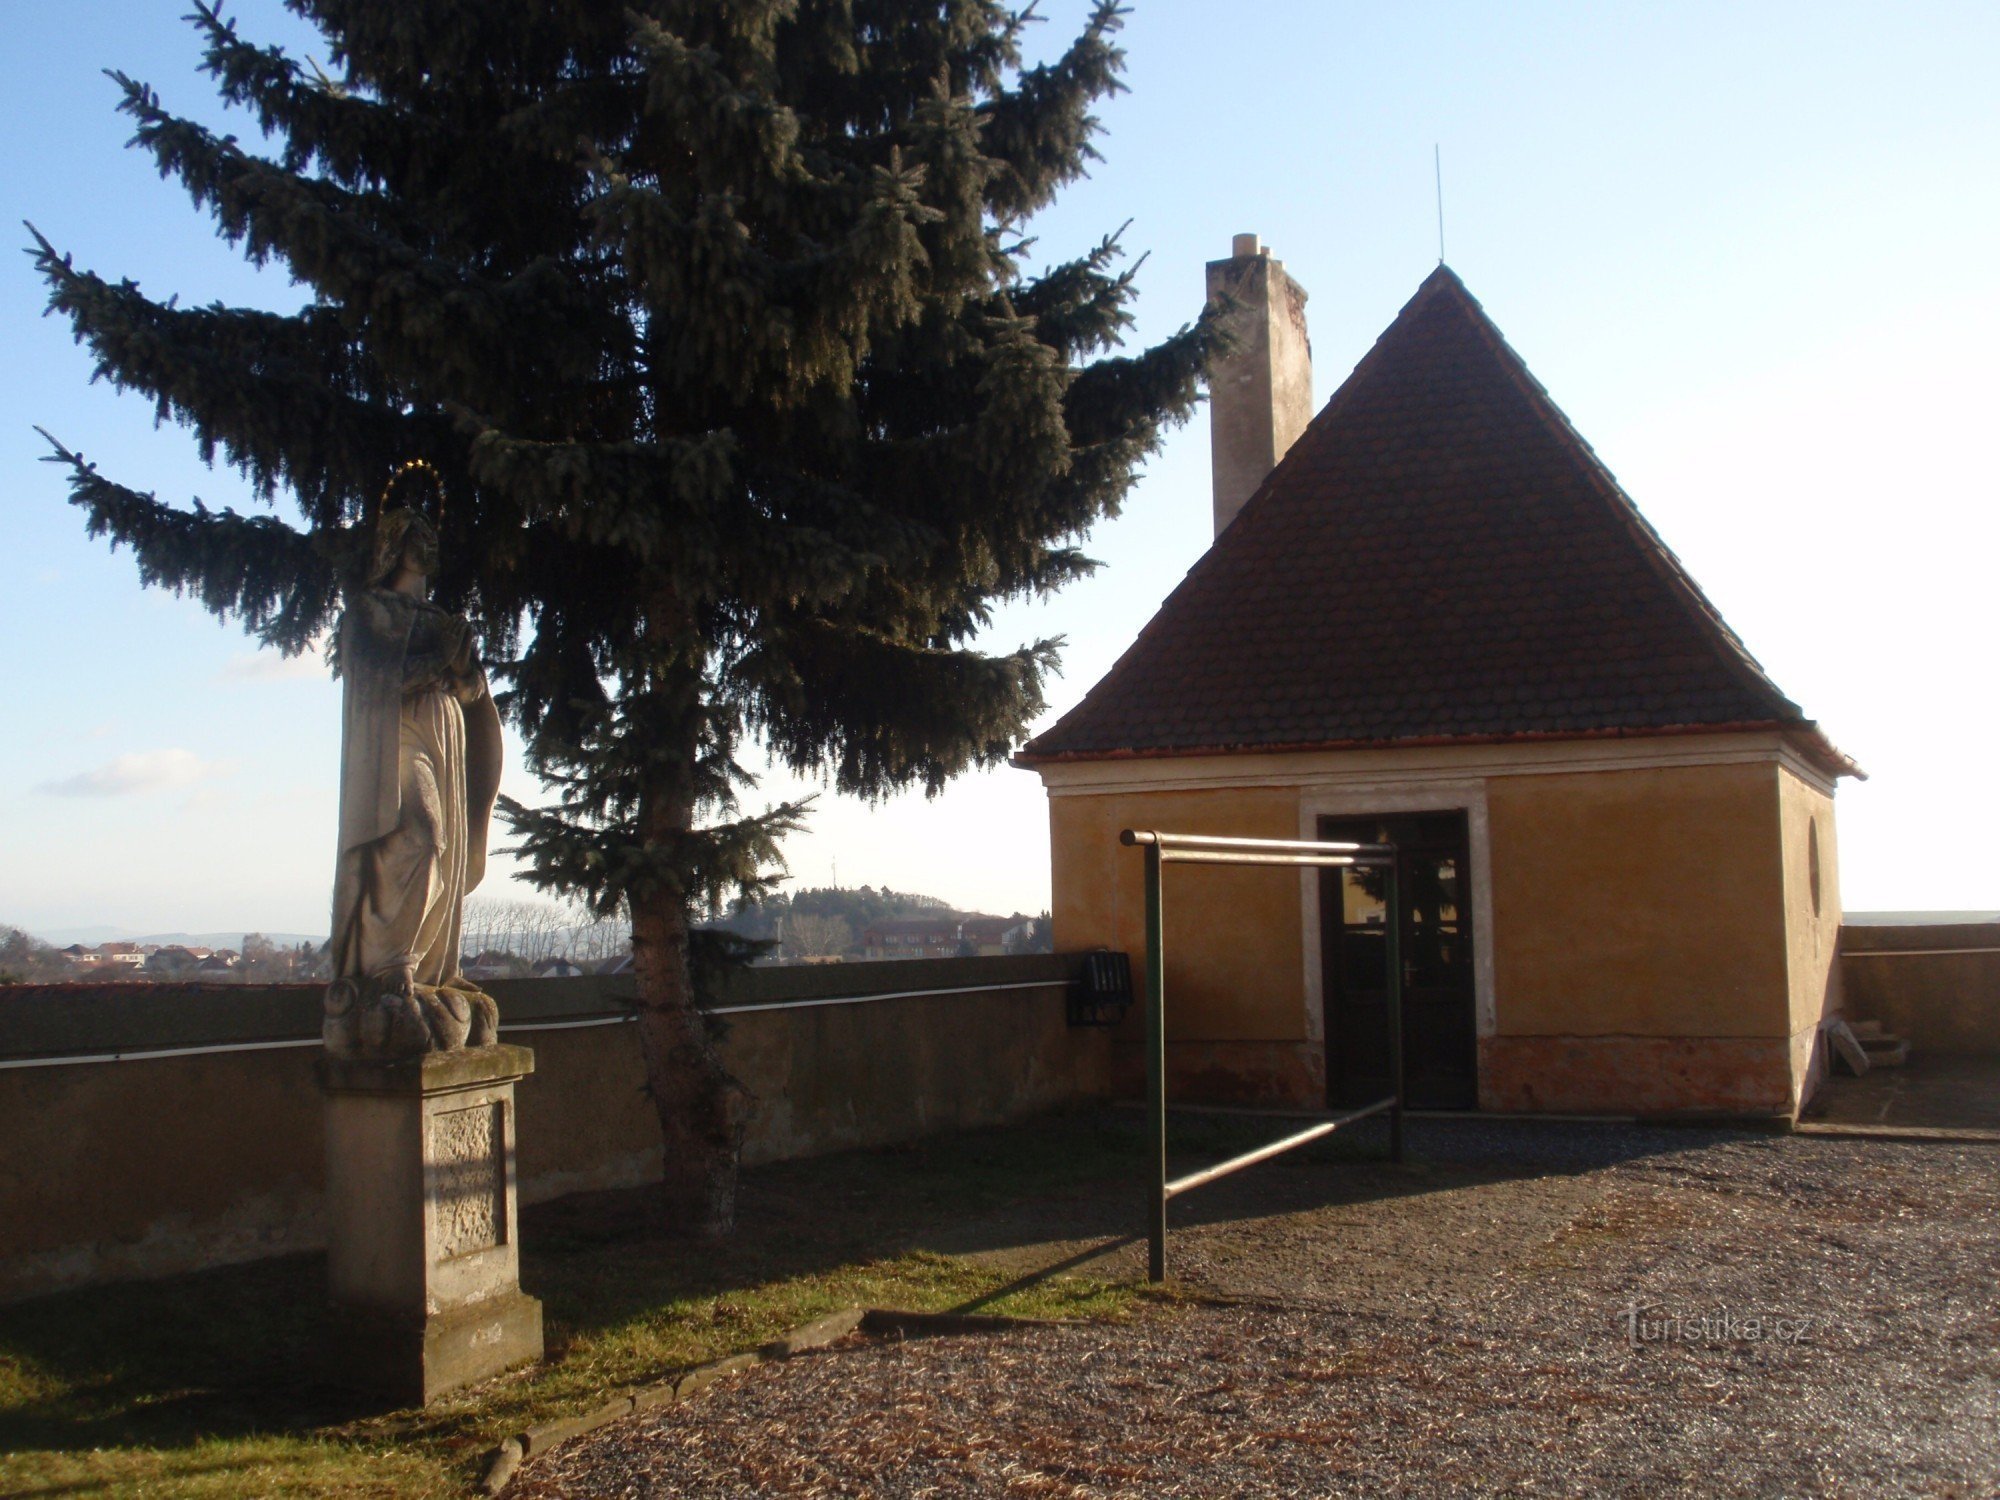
1532, 1310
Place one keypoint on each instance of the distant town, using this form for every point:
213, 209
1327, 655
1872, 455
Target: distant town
521, 939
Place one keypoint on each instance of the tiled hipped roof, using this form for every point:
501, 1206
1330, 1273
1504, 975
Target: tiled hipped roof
1440, 557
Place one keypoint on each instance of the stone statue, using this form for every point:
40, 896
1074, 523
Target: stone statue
419, 769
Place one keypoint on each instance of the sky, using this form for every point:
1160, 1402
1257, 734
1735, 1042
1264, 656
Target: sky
1747, 247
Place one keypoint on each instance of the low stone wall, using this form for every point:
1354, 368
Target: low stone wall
1937, 986
154, 1129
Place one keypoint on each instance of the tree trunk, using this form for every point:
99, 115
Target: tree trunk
702, 1109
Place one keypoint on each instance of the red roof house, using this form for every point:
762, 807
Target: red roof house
1438, 620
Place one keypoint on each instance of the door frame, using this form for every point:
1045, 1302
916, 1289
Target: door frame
1387, 800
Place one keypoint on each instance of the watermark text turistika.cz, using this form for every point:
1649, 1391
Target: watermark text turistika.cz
1722, 1325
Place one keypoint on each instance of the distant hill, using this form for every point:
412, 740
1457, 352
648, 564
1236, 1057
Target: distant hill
90, 937
857, 906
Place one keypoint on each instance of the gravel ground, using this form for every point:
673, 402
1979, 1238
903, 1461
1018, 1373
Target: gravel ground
1525, 1309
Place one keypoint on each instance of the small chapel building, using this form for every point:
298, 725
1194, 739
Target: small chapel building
1430, 616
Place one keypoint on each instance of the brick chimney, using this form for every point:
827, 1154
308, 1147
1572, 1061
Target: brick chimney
1260, 398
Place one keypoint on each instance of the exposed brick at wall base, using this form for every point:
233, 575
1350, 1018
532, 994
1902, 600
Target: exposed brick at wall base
1273, 1075
1637, 1075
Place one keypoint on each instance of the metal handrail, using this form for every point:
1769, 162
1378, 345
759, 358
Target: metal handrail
1277, 1148
1162, 849
1204, 848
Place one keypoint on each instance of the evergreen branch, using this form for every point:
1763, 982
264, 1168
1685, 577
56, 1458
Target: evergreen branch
288, 400
1118, 411
482, 164
434, 324
610, 863
355, 140
747, 139
280, 584
651, 502
1040, 130
879, 715
1140, 395
1078, 306
788, 314
1010, 437
694, 510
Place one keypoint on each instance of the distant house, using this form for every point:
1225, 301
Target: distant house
620, 963
77, 954
493, 963
912, 937
987, 936
172, 961
556, 968
1430, 616
216, 969
129, 954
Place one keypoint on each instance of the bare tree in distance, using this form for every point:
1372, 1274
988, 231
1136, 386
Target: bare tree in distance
804, 935
532, 930
529, 930
596, 939
26, 959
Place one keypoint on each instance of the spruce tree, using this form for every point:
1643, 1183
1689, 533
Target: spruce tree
718, 320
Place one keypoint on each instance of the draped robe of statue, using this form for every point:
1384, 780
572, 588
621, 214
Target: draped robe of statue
420, 767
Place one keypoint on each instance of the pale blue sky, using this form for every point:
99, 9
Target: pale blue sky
1747, 247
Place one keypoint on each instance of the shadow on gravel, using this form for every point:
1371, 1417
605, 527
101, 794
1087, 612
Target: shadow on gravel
1289, 1220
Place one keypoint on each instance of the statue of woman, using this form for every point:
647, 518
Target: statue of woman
420, 766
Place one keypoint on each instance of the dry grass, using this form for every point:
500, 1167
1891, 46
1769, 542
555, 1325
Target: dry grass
205, 1385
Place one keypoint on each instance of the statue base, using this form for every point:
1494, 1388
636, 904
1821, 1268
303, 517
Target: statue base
423, 1252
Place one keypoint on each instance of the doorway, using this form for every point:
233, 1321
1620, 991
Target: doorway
1440, 1032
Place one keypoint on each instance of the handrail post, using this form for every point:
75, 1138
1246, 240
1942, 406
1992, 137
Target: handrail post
1156, 1073
1393, 917
1209, 849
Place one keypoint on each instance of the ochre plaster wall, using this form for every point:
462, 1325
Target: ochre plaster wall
1233, 939
1640, 943
1237, 1021
1652, 944
1812, 925
1638, 903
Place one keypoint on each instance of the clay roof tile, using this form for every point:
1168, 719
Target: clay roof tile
1439, 556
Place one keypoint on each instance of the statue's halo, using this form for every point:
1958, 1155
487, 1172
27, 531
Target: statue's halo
416, 468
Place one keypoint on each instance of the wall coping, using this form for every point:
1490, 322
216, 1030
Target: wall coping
1931, 937
48, 1021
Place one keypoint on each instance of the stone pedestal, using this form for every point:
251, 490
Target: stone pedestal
423, 1253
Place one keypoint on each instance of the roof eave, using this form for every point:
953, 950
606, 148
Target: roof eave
1804, 734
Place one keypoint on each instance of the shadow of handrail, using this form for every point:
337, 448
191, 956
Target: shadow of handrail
1036, 1278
